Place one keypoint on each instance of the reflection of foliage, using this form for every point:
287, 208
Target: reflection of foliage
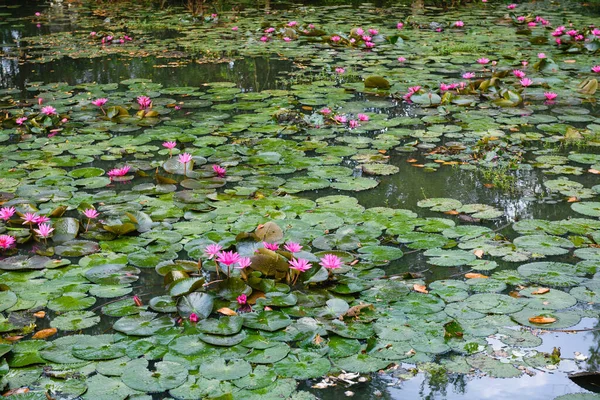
594, 356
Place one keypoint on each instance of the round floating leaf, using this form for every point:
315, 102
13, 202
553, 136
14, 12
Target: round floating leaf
197, 303
220, 369
101, 387
303, 366
440, 204
269, 355
380, 254
72, 301
589, 208
492, 367
269, 321
7, 300
547, 245
144, 324
361, 363
98, 352
449, 258
551, 273
167, 375
260, 377
553, 299
75, 320
562, 319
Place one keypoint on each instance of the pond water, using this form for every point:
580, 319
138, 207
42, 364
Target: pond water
445, 153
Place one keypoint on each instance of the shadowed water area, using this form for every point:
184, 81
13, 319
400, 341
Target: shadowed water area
463, 208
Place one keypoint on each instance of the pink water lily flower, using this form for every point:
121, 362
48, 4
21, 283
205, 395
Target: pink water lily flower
292, 23
596, 69
243, 262
264, 39
519, 74
459, 24
369, 45
235, 28
353, 123
220, 171
287, 39
331, 261
185, 158
359, 31
193, 318
325, 111
212, 250
468, 75
311, 26
511, 6
531, 24
169, 145
293, 247
242, 299
339, 70
29, 218
550, 95
7, 212
119, 171
49, 110
6, 241
541, 55
300, 264
373, 32
271, 246
144, 102
335, 38
340, 118
228, 258
399, 25
91, 213
100, 102
42, 219
526, 82
414, 89
21, 120
44, 230
363, 117
401, 59
270, 30
483, 60
596, 32
37, 14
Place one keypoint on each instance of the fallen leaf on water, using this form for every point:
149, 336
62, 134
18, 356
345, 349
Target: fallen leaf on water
540, 319
12, 392
593, 171
451, 212
473, 275
572, 199
382, 151
13, 338
489, 185
541, 290
226, 311
420, 288
570, 61
478, 253
419, 165
515, 294
40, 314
411, 160
45, 333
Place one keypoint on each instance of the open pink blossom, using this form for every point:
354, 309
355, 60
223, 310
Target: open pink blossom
144, 102
193, 318
29, 218
459, 24
401, 59
359, 31
541, 55
335, 38
21, 120
235, 28
483, 60
92, 33
373, 32
596, 69
526, 82
531, 24
300, 264
264, 39
228, 258
293, 247
596, 32
353, 123
220, 171
243, 262
49, 110
311, 26
399, 25
550, 95
42, 219
363, 117
37, 14
270, 30
170, 145
339, 70
91, 213
44, 230
242, 299
212, 250
6, 213
119, 171
287, 39
468, 75
340, 118
100, 102
369, 45
292, 23
519, 74
6, 241
331, 261
511, 6
185, 158
414, 89
271, 246
325, 111
367, 38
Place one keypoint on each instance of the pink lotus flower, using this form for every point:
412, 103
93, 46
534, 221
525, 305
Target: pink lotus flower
49, 110
359, 31
220, 171
119, 171
335, 38
293, 247
414, 89
484, 1
29, 218
373, 32
235, 28
325, 111
596, 69
170, 145
353, 123
212, 250
596, 32
483, 60
340, 118
444, 87
511, 6
558, 31
300, 264
100, 102
264, 39
185, 158
521, 18
331, 261
287, 39
363, 117
526, 82
6, 241
271, 246
193, 318
541, 55
366, 38
244, 262
369, 45
459, 24
401, 59
270, 30
468, 75
228, 258
91, 213
44, 230
550, 95
40, 101
21, 120
519, 74
41, 219
339, 70
7, 212
242, 299
292, 23
572, 32
399, 25
579, 38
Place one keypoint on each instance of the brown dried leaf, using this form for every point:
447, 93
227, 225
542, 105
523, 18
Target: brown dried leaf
593, 171
540, 319
541, 290
473, 275
451, 212
40, 314
420, 288
478, 253
45, 333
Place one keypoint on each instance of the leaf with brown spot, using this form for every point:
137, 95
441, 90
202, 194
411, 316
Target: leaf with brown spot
541, 290
540, 319
226, 311
45, 333
473, 275
420, 288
